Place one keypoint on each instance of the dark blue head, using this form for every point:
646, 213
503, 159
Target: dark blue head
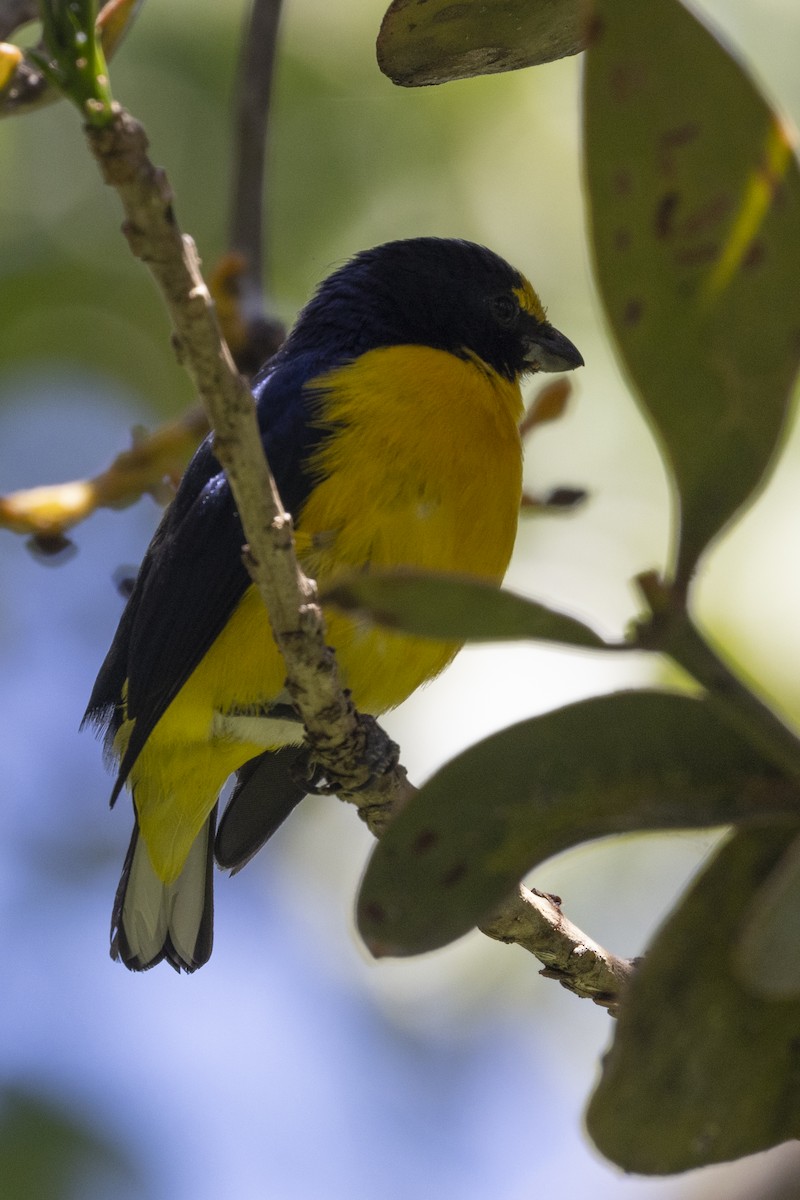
448, 294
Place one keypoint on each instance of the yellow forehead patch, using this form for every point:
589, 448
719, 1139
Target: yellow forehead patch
529, 301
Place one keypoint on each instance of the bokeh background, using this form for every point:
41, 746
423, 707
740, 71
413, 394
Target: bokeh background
292, 1066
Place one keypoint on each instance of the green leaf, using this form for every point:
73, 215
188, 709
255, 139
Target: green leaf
612, 764
701, 1070
695, 214
432, 41
453, 608
767, 958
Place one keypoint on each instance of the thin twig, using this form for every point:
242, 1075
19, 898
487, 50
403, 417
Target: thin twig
49, 511
535, 922
261, 332
254, 93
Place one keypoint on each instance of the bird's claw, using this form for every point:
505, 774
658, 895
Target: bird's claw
326, 770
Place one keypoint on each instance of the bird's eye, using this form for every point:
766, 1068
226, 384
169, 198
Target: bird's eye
504, 309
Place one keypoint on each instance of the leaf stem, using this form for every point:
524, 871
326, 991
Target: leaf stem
74, 59
670, 630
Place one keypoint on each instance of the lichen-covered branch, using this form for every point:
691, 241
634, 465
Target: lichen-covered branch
534, 920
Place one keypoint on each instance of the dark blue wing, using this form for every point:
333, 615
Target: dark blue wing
192, 576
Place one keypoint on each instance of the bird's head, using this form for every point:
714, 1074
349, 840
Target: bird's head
441, 292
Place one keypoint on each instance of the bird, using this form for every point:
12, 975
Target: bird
390, 421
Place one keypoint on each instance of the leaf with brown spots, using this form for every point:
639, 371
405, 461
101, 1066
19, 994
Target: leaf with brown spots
613, 764
702, 1069
432, 41
695, 217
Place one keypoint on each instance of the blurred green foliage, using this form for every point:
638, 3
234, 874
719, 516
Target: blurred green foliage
46, 1153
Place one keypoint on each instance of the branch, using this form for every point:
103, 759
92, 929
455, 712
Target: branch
534, 921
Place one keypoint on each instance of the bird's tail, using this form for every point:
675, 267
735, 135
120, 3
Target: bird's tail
153, 920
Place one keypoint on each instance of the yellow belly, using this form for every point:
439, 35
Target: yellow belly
424, 475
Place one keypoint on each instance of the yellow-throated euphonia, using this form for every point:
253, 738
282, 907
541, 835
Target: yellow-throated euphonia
390, 421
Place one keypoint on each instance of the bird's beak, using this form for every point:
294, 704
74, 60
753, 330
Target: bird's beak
548, 350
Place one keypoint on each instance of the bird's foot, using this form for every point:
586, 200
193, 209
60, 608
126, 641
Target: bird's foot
351, 766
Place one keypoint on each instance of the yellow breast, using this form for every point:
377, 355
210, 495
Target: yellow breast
425, 470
